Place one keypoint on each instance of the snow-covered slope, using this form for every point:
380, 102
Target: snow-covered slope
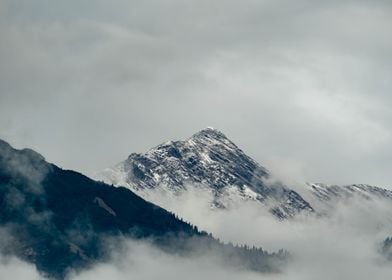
207, 160
324, 197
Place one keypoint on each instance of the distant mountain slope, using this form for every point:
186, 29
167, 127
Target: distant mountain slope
325, 197
208, 160
59, 219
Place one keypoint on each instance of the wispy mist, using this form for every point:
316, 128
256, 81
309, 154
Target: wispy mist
345, 243
12, 268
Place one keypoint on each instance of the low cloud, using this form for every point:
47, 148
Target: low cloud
140, 260
344, 245
13, 268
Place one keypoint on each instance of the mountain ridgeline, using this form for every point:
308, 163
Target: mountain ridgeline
208, 160
60, 220
325, 197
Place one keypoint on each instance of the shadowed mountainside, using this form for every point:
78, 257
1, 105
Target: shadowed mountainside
60, 220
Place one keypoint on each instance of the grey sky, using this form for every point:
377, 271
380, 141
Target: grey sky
304, 87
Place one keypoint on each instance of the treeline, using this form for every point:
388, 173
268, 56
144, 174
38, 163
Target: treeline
60, 220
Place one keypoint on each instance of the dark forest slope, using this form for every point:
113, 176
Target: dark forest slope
59, 219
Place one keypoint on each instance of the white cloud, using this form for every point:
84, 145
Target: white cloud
344, 245
305, 82
12, 268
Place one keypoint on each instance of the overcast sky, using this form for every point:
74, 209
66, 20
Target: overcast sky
303, 87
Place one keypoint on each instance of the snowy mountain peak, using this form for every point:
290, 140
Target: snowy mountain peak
210, 132
211, 136
209, 160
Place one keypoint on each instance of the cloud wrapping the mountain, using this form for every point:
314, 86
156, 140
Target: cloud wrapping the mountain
140, 260
304, 87
12, 268
342, 245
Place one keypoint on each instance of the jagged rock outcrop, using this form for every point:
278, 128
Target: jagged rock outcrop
207, 160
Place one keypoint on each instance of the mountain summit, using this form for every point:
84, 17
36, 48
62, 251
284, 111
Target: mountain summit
207, 160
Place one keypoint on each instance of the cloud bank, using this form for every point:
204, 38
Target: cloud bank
303, 87
344, 245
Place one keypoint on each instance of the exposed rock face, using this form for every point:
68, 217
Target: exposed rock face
324, 198
208, 160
